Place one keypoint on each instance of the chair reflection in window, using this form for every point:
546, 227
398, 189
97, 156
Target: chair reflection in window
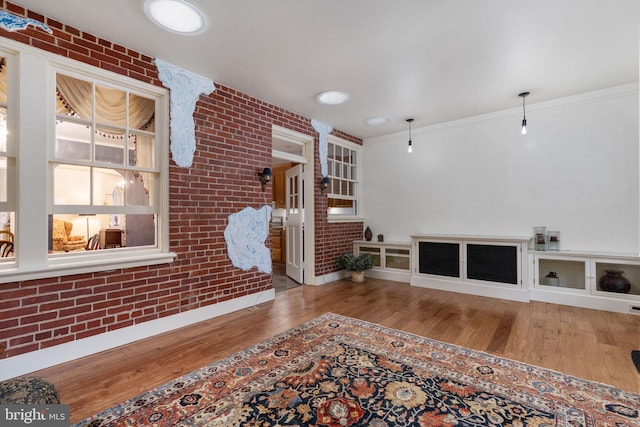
93, 243
6, 248
6, 235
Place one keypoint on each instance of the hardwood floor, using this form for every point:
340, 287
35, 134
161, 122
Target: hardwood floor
590, 344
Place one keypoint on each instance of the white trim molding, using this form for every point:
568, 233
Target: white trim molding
40, 359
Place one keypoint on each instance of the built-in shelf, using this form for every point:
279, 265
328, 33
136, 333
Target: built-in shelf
577, 279
393, 259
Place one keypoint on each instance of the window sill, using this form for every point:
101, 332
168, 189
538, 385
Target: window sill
344, 218
69, 266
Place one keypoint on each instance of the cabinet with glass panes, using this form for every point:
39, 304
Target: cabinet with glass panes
392, 259
593, 280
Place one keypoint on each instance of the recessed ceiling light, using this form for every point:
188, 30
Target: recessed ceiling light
178, 16
377, 121
332, 97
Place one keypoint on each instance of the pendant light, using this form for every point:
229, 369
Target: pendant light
410, 149
524, 114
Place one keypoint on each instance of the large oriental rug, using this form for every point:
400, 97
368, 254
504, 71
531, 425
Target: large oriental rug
338, 371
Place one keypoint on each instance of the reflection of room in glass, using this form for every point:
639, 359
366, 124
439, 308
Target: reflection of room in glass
103, 136
7, 237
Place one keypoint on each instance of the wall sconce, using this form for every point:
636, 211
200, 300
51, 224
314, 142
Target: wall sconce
264, 177
524, 115
324, 183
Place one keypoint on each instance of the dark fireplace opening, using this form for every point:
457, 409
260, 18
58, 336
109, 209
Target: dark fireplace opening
438, 258
492, 263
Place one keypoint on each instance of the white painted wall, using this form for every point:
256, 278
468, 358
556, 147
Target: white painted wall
577, 171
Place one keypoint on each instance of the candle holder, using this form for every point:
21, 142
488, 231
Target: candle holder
553, 240
540, 238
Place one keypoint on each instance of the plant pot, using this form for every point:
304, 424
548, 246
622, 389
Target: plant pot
357, 276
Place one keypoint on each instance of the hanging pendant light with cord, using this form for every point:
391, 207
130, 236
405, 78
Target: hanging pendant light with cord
524, 114
410, 149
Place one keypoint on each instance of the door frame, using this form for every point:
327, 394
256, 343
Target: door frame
308, 232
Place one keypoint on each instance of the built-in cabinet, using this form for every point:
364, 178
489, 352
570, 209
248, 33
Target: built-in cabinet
576, 278
279, 179
393, 259
278, 244
480, 265
505, 267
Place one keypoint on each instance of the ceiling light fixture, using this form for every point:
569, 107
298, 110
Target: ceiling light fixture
410, 149
178, 16
377, 121
332, 97
524, 114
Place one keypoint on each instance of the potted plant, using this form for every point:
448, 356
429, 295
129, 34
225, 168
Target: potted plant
356, 264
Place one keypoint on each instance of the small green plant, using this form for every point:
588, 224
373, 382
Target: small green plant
358, 263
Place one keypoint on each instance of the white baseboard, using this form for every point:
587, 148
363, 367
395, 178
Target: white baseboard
586, 301
40, 359
386, 274
328, 278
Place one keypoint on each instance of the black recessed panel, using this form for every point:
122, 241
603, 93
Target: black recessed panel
492, 263
442, 259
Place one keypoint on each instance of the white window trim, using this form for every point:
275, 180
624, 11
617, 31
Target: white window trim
31, 118
10, 204
335, 218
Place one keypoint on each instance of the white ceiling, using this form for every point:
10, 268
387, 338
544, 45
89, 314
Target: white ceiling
434, 60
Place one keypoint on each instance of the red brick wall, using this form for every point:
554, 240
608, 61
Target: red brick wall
331, 239
233, 142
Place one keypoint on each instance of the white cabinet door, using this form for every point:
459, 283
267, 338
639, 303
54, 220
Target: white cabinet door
572, 274
628, 271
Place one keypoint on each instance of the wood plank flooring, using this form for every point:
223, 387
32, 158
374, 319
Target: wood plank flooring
590, 344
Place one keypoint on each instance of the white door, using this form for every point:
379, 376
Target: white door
294, 193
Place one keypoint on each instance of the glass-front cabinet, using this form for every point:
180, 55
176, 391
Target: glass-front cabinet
373, 251
392, 259
602, 281
398, 258
616, 277
562, 273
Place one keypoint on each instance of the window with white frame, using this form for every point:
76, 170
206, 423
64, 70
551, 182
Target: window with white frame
343, 173
104, 167
83, 167
7, 163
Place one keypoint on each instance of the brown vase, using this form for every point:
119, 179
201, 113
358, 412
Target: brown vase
614, 281
368, 234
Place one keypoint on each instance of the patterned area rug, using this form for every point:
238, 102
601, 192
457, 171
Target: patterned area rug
336, 371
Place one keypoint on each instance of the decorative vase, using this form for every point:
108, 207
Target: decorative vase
552, 279
357, 276
368, 234
614, 281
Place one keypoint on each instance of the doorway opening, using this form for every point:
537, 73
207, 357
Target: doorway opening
292, 207
281, 282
